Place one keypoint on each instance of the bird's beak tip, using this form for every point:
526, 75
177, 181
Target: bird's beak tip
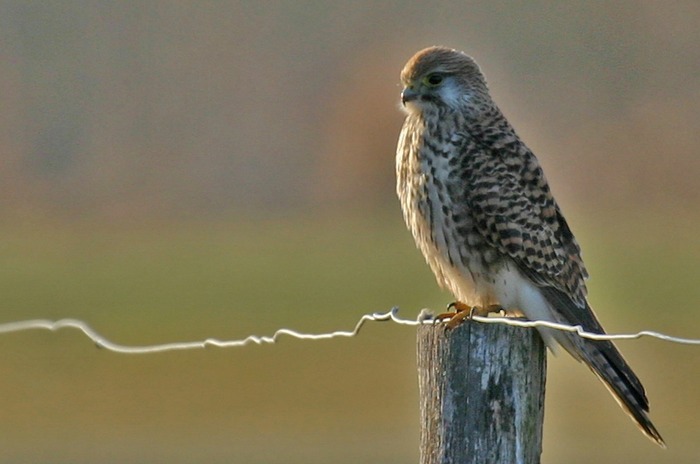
408, 95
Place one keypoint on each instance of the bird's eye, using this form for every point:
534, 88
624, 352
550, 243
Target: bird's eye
433, 80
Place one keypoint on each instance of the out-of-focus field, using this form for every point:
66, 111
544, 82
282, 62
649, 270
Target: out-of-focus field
343, 400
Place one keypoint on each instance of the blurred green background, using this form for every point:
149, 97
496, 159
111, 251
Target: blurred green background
173, 171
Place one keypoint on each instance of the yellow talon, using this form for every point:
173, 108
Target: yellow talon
464, 312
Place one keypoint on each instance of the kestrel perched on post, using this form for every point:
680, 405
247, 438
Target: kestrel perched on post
480, 209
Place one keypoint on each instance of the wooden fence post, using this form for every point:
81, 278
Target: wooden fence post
481, 394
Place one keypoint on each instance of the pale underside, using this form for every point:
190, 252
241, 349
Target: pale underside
482, 288
457, 265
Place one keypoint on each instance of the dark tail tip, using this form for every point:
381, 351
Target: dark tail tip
625, 387
650, 431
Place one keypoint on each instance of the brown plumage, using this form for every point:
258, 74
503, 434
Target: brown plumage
480, 209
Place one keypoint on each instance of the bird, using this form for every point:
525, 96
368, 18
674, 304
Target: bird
479, 207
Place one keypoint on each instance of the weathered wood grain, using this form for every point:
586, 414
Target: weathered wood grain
481, 393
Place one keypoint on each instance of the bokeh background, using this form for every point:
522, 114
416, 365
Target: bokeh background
172, 171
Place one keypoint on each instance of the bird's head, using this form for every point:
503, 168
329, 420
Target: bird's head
439, 76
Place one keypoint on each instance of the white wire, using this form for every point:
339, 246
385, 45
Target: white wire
423, 318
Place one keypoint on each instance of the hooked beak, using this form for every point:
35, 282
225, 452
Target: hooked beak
408, 95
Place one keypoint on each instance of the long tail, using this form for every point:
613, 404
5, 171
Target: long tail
603, 358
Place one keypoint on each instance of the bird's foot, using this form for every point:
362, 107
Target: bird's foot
457, 312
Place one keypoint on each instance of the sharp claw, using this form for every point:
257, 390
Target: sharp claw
458, 312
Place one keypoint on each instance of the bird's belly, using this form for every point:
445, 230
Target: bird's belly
475, 282
429, 190
458, 267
